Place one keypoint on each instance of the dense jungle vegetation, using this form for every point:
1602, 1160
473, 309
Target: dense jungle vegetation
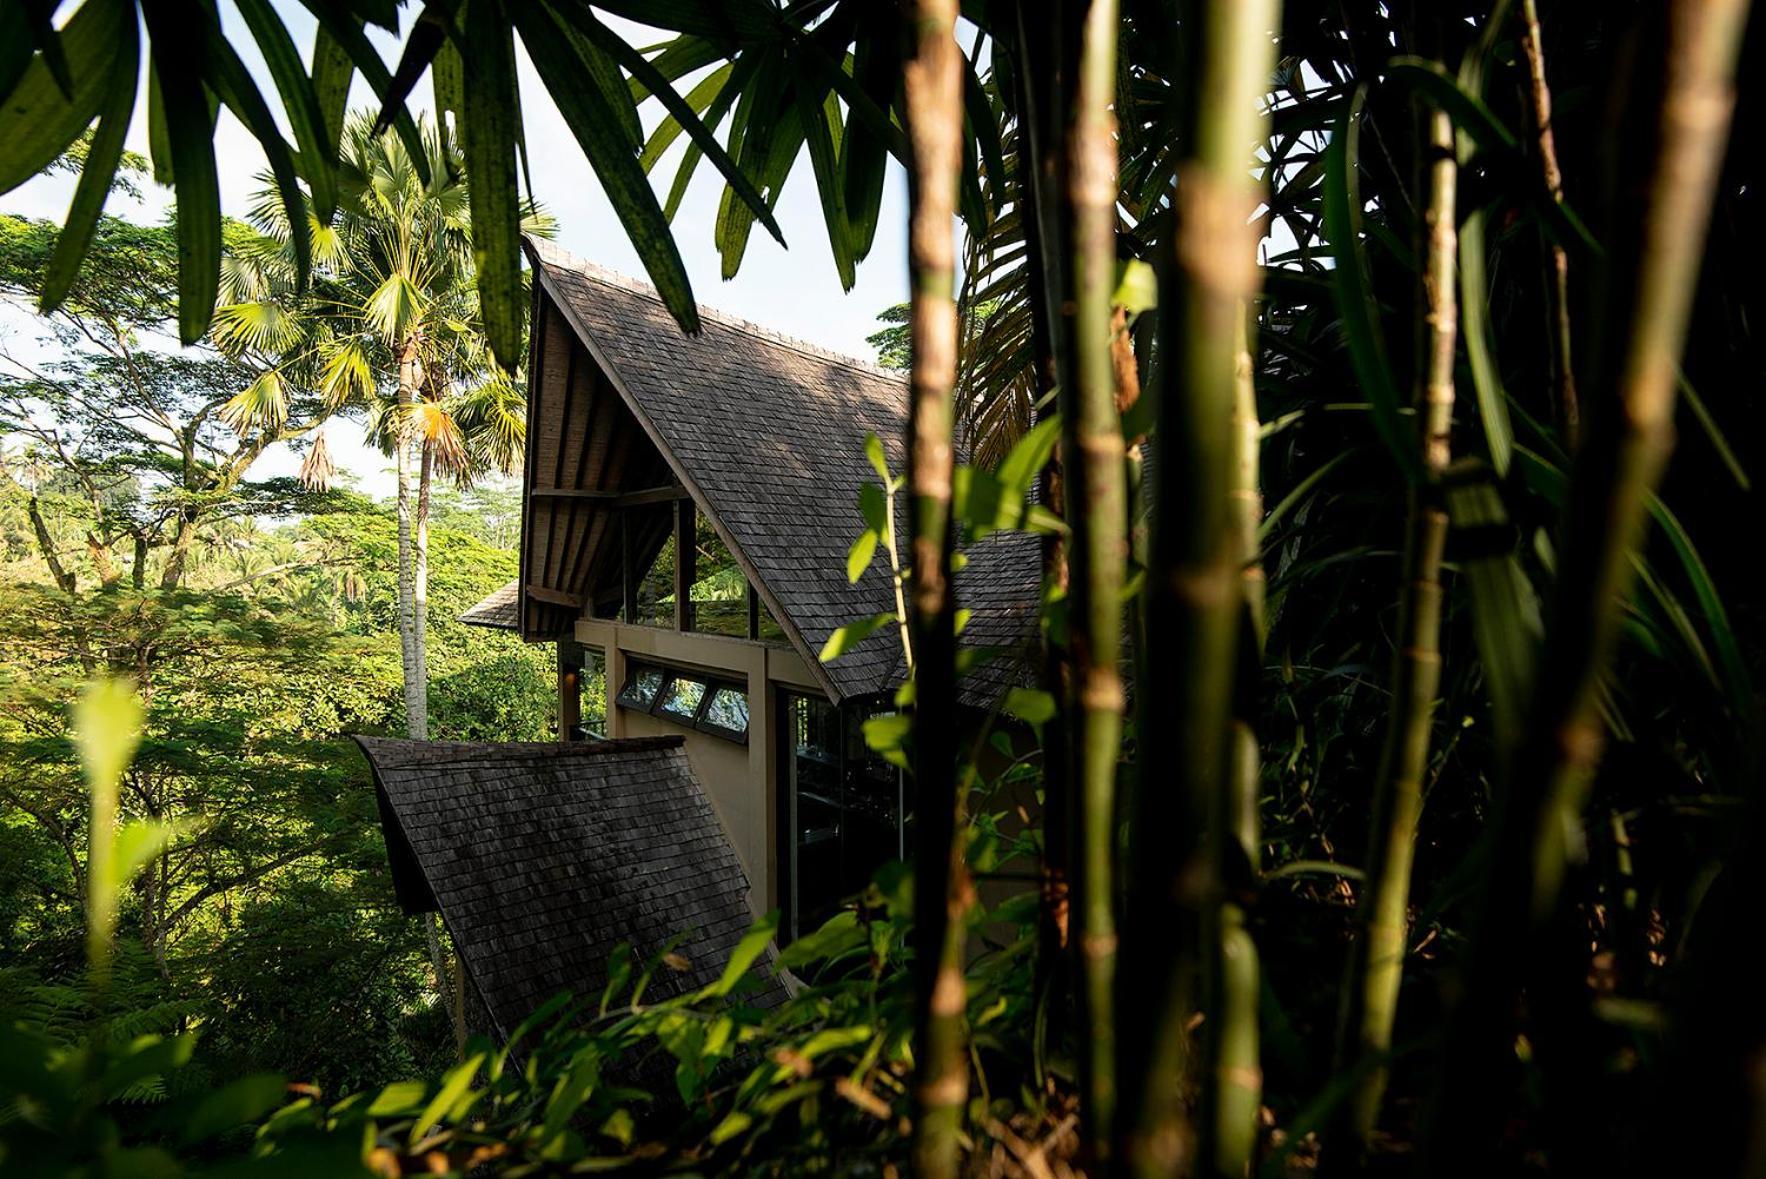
1379, 376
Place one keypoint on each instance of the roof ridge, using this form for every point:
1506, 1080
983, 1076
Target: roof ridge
554, 255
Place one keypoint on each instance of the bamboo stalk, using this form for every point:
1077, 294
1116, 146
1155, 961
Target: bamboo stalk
1557, 279
932, 86
1193, 602
1093, 451
1037, 81
1229, 1123
1627, 436
1377, 960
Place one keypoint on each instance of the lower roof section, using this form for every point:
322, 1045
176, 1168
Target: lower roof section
542, 858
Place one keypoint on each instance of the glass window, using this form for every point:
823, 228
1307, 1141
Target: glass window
727, 709
641, 687
681, 698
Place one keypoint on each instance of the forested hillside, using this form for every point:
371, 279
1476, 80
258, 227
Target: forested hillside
261, 633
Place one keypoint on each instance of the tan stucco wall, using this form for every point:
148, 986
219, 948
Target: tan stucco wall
742, 781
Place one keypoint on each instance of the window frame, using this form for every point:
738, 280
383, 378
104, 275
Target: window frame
713, 684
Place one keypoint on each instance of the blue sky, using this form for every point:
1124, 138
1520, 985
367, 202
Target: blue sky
794, 290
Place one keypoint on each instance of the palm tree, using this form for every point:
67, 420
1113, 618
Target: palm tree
390, 323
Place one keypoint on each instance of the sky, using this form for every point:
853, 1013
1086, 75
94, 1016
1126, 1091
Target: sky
793, 289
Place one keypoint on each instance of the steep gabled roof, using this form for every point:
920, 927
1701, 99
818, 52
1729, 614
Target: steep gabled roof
542, 858
767, 435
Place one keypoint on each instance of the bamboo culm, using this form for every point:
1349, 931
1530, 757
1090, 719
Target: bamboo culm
1193, 604
1383, 920
1627, 432
1097, 501
932, 86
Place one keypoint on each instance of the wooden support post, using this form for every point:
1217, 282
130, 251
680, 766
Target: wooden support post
570, 689
686, 563
628, 576
753, 612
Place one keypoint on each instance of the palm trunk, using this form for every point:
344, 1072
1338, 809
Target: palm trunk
1377, 962
1093, 452
410, 656
420, 582
1656, 256
932, 85
1193, 606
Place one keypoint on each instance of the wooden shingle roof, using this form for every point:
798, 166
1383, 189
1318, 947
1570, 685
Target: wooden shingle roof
542, 858
498, 610
767, 435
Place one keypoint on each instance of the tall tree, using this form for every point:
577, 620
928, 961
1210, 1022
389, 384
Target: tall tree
391, 322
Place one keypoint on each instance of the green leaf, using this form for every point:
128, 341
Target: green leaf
852, 634
750, 948
885, 735
597, 131
141, 841
733, 1124
38, 120
1031, 705
190, 129
683, 113
1137, 287
840, 934
875, 510
1019, 470
107, 729
492, 126
398, 1099
231, 81
333, 71
453, 1087
95, 177
859, 556
1499, 433
244, 1101
822, 131
147, 1056
300, 103
1355, 301
1467, 111
874, 452
428, 34
342, 27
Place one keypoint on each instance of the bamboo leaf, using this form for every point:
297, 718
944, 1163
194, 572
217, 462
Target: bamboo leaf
453, 1087
1355, 302
101, 165
1499, 432
1467, 111
596, 131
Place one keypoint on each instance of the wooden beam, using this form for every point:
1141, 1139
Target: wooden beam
570, 690
552, 597
686, 563
628, 576
615, 499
